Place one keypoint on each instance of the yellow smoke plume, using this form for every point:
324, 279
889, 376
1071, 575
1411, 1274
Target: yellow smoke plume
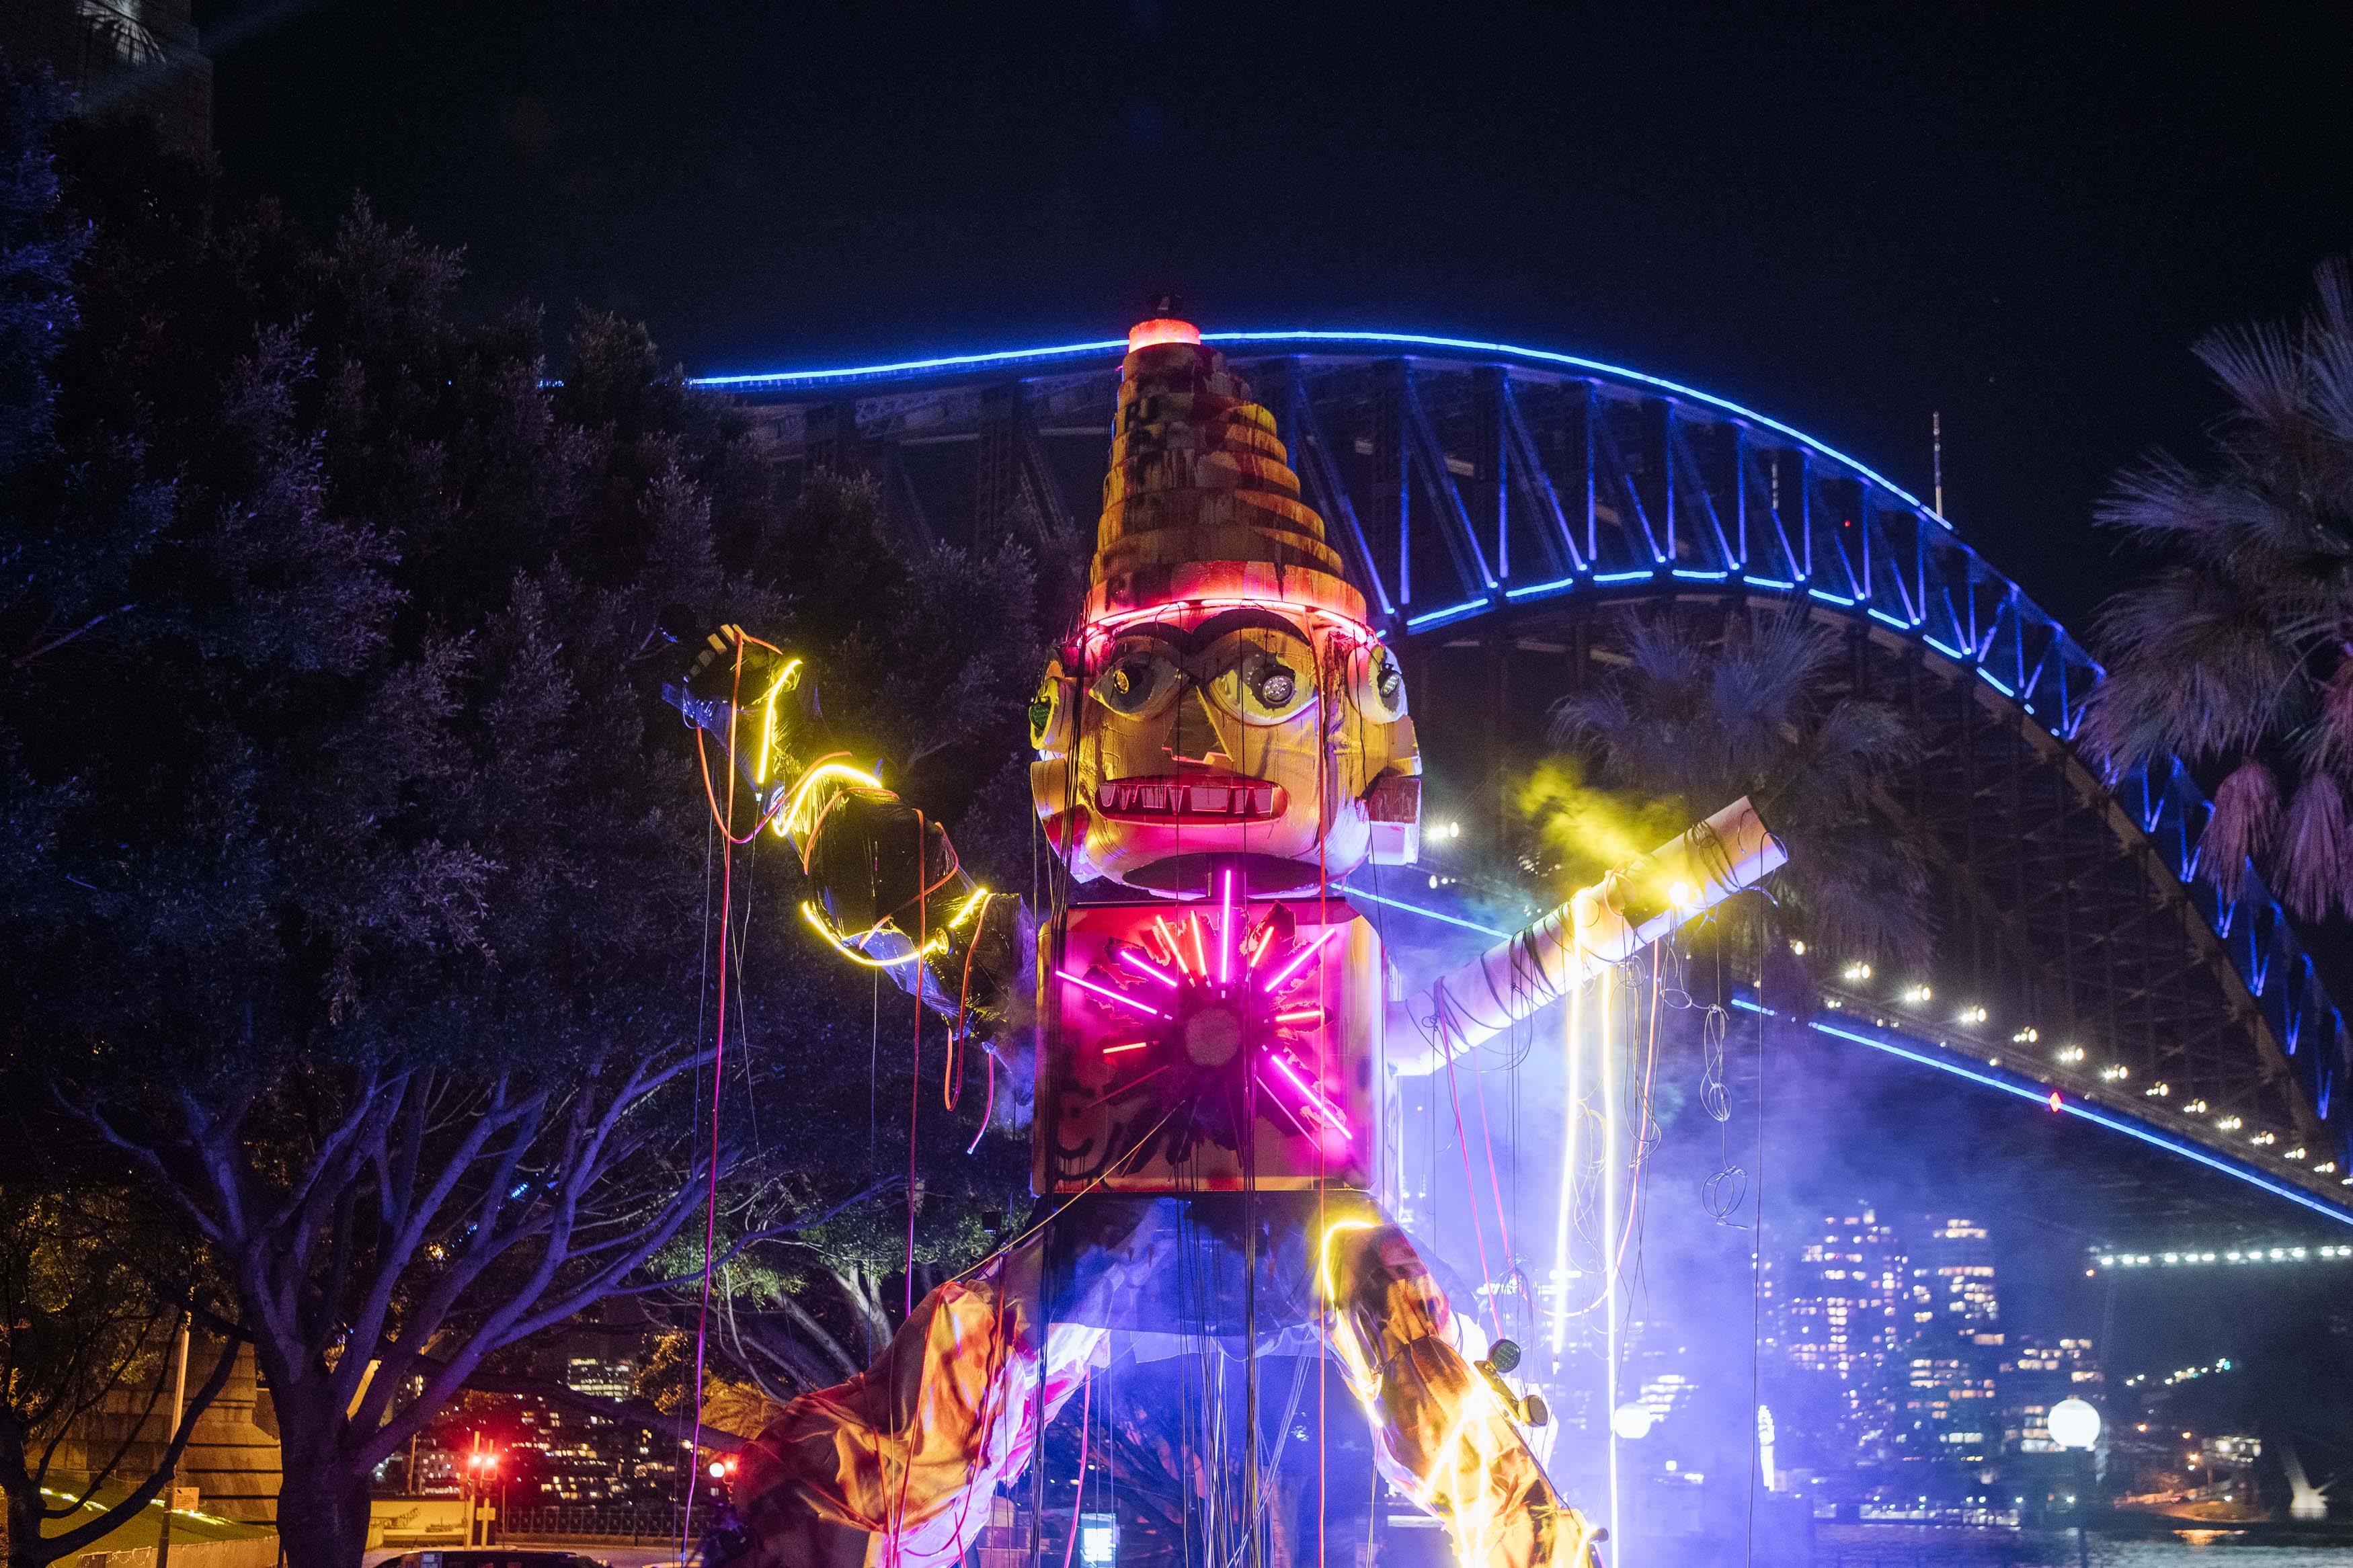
1587, 830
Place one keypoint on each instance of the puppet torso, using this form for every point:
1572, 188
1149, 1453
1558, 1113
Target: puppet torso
1193, 1048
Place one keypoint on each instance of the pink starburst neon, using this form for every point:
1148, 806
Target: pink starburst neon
1274, 982
1226, 929
1109, 994
1143, 965
1315, 1101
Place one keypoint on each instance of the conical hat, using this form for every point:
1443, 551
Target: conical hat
1200, 502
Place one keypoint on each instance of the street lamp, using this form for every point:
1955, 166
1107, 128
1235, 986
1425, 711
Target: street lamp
1631, 1421
2074, 1425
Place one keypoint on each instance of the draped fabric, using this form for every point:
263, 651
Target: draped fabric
897, 1466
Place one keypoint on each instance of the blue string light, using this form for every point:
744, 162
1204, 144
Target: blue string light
1417, 340
1920, 1051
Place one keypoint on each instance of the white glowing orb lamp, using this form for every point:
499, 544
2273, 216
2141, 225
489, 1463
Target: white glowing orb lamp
2075, 1424
1632, 1422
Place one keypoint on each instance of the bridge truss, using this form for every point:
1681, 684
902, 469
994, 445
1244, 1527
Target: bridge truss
1502, 507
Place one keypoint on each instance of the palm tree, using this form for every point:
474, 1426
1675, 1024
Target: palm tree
1686, 723
2238, 655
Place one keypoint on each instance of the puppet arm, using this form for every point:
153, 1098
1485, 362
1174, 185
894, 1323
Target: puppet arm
1602, 925
887, 889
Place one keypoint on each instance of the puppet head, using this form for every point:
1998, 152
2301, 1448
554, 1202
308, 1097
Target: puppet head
1223, 701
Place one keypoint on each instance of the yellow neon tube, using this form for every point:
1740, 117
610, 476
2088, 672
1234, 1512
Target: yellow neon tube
936, 945
787, 821
785, 682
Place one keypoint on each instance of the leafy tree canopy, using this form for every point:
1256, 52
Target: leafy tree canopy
357, 889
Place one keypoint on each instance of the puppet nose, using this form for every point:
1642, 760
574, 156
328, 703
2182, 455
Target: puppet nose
1196, 739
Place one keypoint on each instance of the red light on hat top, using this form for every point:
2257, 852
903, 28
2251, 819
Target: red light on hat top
1161, 330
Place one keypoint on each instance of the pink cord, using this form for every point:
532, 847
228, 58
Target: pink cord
1086, 1407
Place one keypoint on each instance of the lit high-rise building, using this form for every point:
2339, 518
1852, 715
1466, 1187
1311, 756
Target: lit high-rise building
1841, 1304
1841, 1296
1952, 1277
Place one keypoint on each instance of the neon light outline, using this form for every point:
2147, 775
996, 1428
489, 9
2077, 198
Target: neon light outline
1430, 617
1105, 990
2037, 1093
1143, 965
1299, 334
1275, 981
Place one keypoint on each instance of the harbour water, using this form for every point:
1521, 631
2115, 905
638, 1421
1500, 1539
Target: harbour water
1898, 1548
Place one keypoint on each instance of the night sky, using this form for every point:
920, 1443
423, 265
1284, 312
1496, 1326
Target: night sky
2021, 215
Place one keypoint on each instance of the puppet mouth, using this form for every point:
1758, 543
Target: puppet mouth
1190, 797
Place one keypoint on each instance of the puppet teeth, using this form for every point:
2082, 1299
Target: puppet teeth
1224, 798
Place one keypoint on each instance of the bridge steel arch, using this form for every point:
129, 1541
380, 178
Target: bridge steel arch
1500, 506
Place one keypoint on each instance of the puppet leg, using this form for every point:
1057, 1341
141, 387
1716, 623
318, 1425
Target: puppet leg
1438, 1430
896, 1467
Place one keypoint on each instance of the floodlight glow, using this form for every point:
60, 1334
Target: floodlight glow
1632, 1422
2073, 1423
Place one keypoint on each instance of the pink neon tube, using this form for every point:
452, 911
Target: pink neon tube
1274, 982
1226, 930
1143, 965
1339, 1125
1109, 994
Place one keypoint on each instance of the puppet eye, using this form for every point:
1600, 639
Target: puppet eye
1050, 714
1262, 687
1135, 683
1379, 684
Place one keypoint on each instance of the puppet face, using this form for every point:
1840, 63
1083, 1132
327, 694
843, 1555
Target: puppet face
1269, 736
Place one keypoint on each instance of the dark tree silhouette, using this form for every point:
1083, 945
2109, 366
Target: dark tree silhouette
354, 883
92, 1289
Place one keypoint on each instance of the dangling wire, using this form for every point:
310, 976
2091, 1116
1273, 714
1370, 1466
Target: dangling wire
718, 1077
916, 1068
1086, 1424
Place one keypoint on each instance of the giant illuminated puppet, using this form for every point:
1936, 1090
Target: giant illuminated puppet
1207, 1026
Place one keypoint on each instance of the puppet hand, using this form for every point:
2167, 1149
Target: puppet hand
738, 690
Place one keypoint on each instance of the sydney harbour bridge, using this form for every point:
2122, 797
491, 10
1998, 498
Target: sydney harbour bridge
1501, 506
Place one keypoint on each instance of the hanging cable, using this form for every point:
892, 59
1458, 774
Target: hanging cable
1086, 1424
718, 1077
916, 1068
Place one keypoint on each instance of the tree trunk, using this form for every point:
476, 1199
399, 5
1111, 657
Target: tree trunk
323, 1503
23, 1510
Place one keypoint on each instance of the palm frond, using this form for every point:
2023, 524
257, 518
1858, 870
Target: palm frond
2326, 742
2316, 859
2162, 500
2199, 671
2259, 368
1696, 724
2245, 822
